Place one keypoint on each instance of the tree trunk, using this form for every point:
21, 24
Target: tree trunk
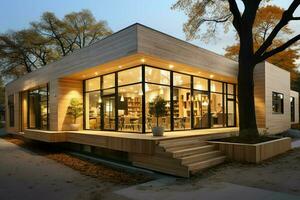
246, 105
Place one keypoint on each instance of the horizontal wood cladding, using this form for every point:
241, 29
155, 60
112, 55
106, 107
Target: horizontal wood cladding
277, 80
45, 136
155, 43
118, 45
254, 153
114, 143
259, 95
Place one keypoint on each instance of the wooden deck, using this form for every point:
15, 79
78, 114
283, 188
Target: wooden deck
177, 153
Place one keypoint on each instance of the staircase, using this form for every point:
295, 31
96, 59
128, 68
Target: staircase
194, 153
181, 156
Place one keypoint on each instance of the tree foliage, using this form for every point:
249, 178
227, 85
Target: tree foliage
75, 109
266, 19
47, 40
243, 16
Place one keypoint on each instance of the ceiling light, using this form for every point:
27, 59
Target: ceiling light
142, 60
120, 66
171, 66
96, 73
211, 76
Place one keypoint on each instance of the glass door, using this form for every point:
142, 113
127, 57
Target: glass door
109, 112
201, 114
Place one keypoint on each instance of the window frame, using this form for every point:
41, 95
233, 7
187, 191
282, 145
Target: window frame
281, 109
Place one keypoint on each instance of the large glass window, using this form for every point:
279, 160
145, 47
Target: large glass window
197, 102
93, 109
130, 108
11, 110
38, 111
182, 108
152, 91
277, 103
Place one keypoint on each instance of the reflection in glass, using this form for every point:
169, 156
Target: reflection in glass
93, 107
128, 76
181, 80
159, 76
92, 84
201, 115
130, 108
109, 112
216, 86
152, 91
108, 81
230, 113
200, 84
182, 108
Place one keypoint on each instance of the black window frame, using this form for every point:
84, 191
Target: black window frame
292, 101
278, 103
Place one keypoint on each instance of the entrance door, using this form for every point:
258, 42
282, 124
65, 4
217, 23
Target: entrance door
201, 114
109, 112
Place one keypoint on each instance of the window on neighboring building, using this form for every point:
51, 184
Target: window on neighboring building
277, 103
292, 100
11, 110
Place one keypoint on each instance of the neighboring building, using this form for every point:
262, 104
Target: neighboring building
116, 79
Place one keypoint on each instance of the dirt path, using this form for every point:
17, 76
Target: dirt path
26, 175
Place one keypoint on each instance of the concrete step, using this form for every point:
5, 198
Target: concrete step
200, 157
197, 166
192, 150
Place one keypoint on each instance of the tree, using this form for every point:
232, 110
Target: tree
266, 19
228, 12
48, 40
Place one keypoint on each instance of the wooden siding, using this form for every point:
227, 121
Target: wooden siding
277, 80
152, 42
254, 153
259, 95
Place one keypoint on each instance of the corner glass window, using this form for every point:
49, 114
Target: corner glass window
277, 103
11, 110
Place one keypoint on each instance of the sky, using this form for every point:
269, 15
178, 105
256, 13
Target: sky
17, 14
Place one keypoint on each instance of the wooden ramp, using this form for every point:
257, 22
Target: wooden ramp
180, 157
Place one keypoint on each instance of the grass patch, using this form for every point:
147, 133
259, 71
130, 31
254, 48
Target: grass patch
246, 139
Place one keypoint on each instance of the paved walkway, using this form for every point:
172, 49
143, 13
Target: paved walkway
159, 189
25, 175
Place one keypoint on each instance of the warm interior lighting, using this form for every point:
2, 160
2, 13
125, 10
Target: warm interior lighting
142, 60
161, 91
171, 66
122, 98
211, 76
96, 73
213, 88
141, 92
99, 100
120, 67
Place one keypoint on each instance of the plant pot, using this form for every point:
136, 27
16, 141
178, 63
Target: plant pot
74, 127
158, 131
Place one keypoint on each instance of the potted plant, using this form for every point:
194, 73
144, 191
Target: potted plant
75, 111
157, 108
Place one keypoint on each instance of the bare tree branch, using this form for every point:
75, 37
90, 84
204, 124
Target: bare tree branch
286, 17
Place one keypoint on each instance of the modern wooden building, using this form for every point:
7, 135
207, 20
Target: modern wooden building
117, 78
